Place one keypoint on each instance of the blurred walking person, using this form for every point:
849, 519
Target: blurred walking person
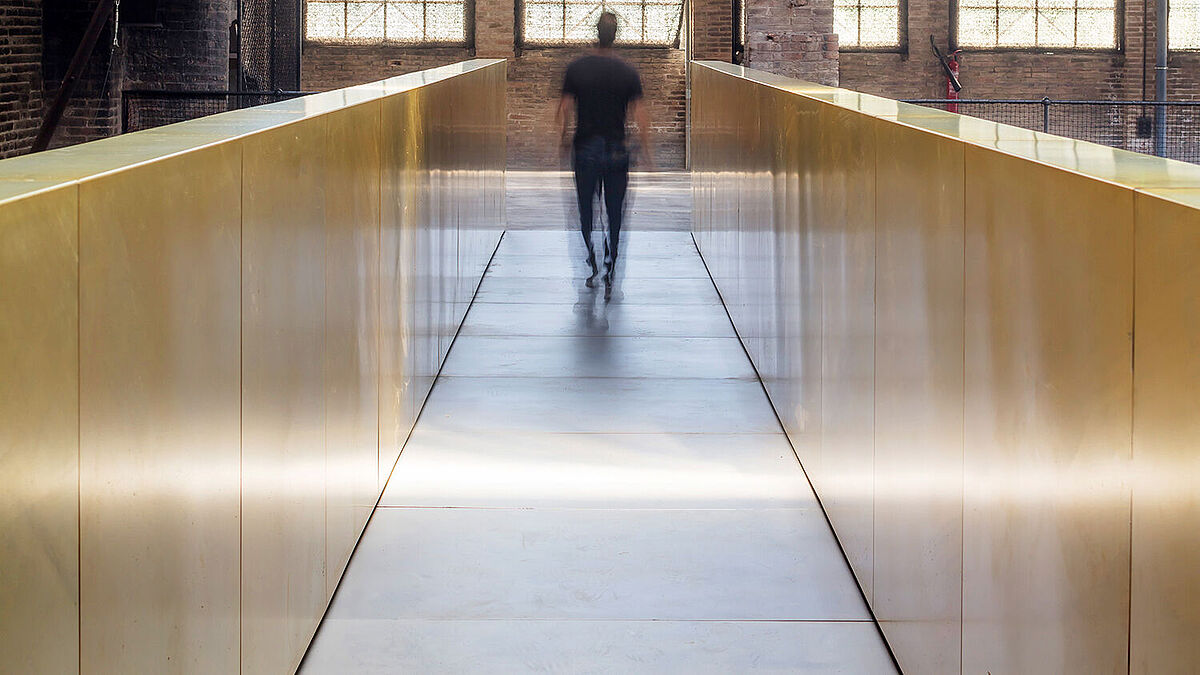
602, 88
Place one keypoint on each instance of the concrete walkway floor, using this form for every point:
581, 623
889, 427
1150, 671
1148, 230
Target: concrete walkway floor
597, 488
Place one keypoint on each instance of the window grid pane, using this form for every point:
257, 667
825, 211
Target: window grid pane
1070, 24
654, 23
867, 23
411, 21
1183, 23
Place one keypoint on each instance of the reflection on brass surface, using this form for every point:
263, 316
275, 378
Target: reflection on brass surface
1049, 298
39, 433
400, 192
845, 221
246, 303
352, 281
160, 450
941, 310
918, 396
283, 393
1166, 423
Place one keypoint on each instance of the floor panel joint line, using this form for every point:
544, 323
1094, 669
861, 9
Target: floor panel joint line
828, 522
363, 534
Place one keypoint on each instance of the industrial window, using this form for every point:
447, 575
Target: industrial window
1183, 30
867, 23
1071, 24
414, 21
651, 23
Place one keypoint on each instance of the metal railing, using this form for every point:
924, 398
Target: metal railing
149, 108
1129, 125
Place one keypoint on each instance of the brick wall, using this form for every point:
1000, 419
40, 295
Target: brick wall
187, 49
793, 38
712, 30
535, 75
20, 74
94, 110
1125, 74
533, 90
332, 66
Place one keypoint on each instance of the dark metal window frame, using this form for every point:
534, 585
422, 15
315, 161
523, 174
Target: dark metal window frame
1118, 37
523, 43
467, 42
901, 46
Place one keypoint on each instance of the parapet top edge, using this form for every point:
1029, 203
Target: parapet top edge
42, 172
1123, 168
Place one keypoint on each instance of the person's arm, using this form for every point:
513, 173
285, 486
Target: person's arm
642, 119
562, 119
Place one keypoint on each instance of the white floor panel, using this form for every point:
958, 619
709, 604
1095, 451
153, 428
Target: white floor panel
595, 317
453, 468
682, 266
597, 356
375, 647
597, 487
569, 291
717, 564
599, 405
633, 242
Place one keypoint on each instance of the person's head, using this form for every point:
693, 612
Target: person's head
606, 29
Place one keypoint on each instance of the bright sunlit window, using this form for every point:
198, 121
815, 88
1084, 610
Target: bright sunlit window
655, 23
1184, 24
1072, 24
867, 23
414, 21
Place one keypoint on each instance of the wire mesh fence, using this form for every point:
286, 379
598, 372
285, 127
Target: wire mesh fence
269, 37
1129, 125
146, 109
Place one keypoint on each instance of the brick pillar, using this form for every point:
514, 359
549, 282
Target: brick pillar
20, 75
712, 30
793, 38
495, 27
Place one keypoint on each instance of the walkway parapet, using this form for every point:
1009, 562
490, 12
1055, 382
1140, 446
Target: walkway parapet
982, 342
216, 336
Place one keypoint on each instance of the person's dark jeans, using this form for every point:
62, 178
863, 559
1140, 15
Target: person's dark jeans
601, 165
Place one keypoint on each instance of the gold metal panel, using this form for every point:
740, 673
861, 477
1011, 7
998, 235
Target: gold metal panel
1049, 317
844, 209
1165, 616
283, 393
798, 348
918, 396
248, 336
401, 157
39, 433
160, 433
352, 193
1002, 390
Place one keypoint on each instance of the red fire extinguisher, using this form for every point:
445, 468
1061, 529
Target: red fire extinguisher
950, 68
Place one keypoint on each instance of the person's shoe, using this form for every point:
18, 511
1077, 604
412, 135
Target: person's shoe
591, 280
608, 284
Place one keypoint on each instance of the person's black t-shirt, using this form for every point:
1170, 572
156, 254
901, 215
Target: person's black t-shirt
602, 86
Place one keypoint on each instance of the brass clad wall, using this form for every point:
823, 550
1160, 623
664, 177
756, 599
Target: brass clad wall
919, 396
1166, 423
352, 323
209, 329
401, 195
942, 311
160, 435
1049, 297
844, 198
283, 393
39, 433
